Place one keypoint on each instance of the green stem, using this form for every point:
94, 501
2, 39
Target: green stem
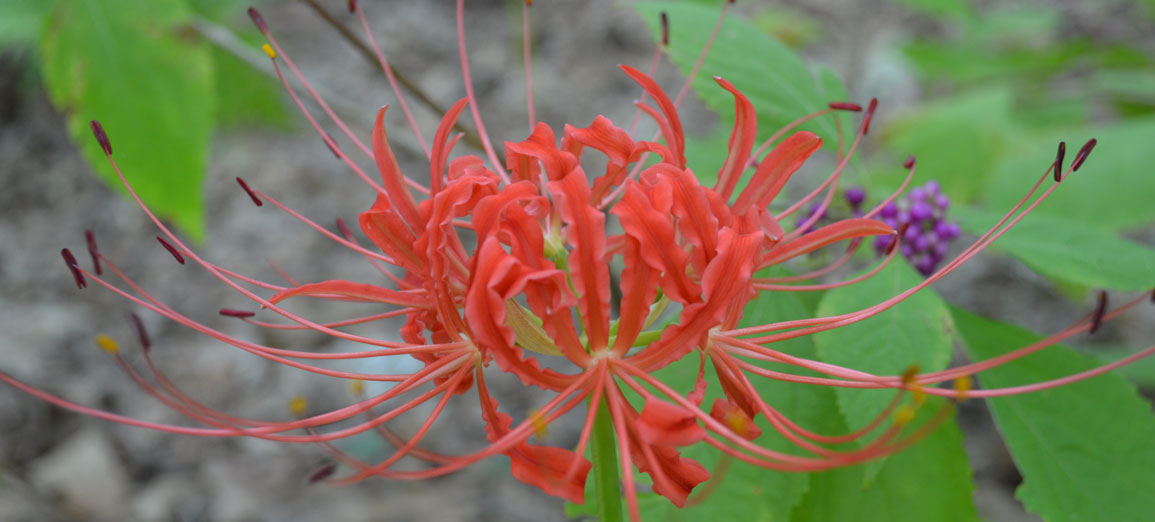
608, 490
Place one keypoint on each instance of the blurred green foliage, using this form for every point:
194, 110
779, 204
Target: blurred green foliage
160, 88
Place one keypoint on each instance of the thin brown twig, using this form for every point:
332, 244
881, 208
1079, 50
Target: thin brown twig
470, 135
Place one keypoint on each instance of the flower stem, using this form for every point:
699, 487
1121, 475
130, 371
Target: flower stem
606, 485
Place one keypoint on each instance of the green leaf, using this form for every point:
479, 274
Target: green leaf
778, 83
21, 20
1069, 250
957, 140
1141, 372
745, 491
1083, 449
1110, 192
134, 67
244, 95
916, 331
928, 481
221, 9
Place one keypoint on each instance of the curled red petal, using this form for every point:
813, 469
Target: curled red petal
775, 170
735, 418
647, 219
522, 157
440, 153
741, 141
361, 291
391, 177
610, 140
387, 229
544, 467
840, 231
666, 424
670, 123
586, 232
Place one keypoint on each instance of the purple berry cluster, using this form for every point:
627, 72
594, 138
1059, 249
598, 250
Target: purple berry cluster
928, 237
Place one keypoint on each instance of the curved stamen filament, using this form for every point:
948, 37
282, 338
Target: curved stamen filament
392, 78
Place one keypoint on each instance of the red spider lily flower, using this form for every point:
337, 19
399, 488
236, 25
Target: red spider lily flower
499, 264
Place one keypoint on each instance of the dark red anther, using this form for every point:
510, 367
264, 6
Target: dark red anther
869, 114
909, 163
1100, 309
101, 137
352, 6
91, 239
258, 20
898, 235
229, 312
1083, 153
845, 106
665, 19
332, 144
171, 249
73, 266
141, 333
1059, 161
344, 229
322, 473
253, 195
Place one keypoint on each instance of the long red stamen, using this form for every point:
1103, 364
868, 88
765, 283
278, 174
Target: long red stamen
90, 238
77, 275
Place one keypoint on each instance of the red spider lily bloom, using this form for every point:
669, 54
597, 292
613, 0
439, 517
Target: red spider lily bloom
500, 264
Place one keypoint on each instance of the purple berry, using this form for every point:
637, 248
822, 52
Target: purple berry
921, 244
942, 229
917, 194
890, 210
952, 230
932, 187
855, 196
920, 211
912, 233
907, 251
940, 249
942, 201
925, 265
880, 244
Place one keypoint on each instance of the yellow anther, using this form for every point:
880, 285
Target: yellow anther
540, 426
904, 415
909, 374
357, 387
269, 51
108, 344
297, 405
736, 422
918, 396
962, 385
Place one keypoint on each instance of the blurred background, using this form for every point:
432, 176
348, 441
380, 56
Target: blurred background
980, 91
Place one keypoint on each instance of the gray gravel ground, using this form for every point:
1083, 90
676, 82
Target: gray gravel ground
56, 465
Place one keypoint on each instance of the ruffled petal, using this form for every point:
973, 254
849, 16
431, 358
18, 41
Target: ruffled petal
667, 424
776, 169
741, 141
